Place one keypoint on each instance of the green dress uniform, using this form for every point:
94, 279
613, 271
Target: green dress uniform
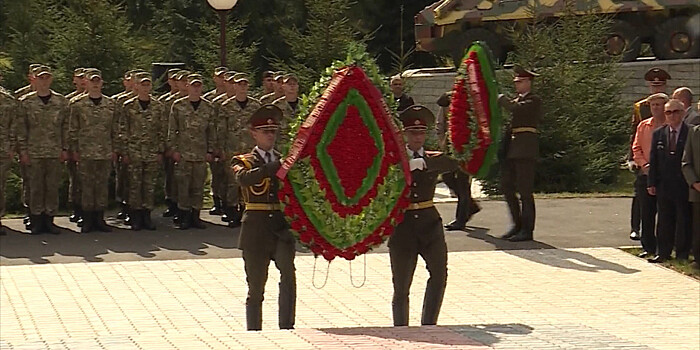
519, 153
42, 133
265, 234
7, 111
420, 232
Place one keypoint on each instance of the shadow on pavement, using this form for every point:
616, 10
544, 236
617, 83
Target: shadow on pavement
450, 335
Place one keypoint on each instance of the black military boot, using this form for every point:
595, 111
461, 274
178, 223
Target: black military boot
171, 210
50, 226
217, 209
147, 222
522, 236
77, 213
37, 224
228, 213
237, 215
196, 221
136, 220
99, 221
88, 221
184, 220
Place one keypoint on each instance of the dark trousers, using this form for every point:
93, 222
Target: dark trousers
459, 182
256, 263
647, 204
518, 176
636, 215
421, 235
696, 231
673, 228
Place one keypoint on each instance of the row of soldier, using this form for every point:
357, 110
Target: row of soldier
181, 132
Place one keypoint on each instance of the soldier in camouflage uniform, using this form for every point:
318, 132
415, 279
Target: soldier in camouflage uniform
288, 104
73, 182
216, 166
142, 146
42, 127
278, 90
235, 140
92, 133
7, 111
172, 83
268, 84
78, 82
219, 171
265, 233
191, 140
24, 173
171, 188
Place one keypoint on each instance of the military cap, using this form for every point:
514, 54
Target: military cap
239, 77
140, 77
520, 73
416, 117
129, 74
182, 74
218, 71
267, 117
656, 76
92, 74
33, 66
278, 75
444, 99
268, 74
172, 72
288, 77
195, 78
79, 72
228, 76
42, 70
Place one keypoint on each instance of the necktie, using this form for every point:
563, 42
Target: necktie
672, 146
268, 157
416, 155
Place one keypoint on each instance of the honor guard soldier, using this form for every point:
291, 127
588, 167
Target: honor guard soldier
191, 139
519, 153
7, 143
93, 130
143, 145
421, 232
264, 233
656, 79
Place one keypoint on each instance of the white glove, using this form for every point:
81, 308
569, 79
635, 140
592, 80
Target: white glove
417, 163
632, 166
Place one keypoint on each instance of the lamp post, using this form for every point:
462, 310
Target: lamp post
222, 7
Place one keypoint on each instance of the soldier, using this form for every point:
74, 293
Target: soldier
180, 83
93, 127
190, 138
7, 110
217, 166
233, 115
520, 148
288, 104
78, 82
42, 125
268, 83
73, 185
24, 172
264, 233
143, 145
656, 78
219, 82
172, 83
30, 77
421, 231
402, 99
458, 181
278, 90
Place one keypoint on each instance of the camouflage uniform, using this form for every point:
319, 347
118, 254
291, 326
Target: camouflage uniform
92, 131
23, 171
169, 164
191, 134
7, 110
288, 115
41, 133
217, 168
121, 177
268, 98
235, 139
142, 142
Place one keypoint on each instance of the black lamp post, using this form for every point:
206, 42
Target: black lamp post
222, 7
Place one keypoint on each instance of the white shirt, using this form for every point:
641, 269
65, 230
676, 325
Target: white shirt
416, 163
261, 152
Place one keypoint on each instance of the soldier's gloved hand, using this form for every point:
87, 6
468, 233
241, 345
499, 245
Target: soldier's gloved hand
24, 158
417, 164
176, 157
63, 157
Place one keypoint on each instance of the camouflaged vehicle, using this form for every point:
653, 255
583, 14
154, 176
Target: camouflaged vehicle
672, 27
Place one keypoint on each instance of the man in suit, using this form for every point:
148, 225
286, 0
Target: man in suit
665, 181
685, 95
420, 233
656, 79
519, 153
690, 165
264, 233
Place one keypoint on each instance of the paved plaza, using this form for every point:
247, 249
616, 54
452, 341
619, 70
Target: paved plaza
541, 297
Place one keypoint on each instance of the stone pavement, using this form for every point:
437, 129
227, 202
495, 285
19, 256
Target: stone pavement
591, 298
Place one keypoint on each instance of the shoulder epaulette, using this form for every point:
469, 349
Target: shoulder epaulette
247, 159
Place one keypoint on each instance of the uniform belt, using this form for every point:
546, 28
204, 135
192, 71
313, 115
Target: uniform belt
263, 206
524, 129
420, 205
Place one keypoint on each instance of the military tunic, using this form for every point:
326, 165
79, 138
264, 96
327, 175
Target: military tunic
121, 178
264, 236
42, 130
168, 163
268, 98
218, 166
23, 170
7, 143
235, 139
93, 130
421, 233
191, 134
143, 141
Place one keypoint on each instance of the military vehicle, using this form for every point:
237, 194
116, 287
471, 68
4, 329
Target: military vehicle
672, 27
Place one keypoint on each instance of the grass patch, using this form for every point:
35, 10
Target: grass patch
681, 267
